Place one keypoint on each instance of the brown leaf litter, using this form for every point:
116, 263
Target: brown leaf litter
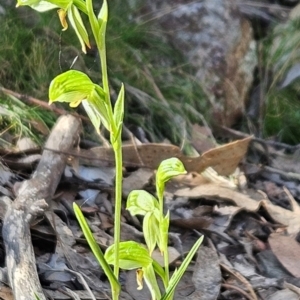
250, 249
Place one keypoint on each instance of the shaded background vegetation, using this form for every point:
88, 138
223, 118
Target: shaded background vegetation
163, 98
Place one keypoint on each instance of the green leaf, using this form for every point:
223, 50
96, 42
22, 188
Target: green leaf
93, 114
164, 232
102, 21
93, 21
179, 273
139, 202
81, 5
119, 111
103, 13
159, 271
36, 296
151, 282
131, 255
97, 99
168, 169
150, 231
77, 24
95, 248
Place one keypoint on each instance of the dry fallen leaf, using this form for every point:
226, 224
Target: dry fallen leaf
173, 256
6, 293
223, 159
287, 251
207, 274
197, 223
285, 217
214, 191
202, 138
136, 180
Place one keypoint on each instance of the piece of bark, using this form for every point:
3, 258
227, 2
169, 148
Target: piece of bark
33, 198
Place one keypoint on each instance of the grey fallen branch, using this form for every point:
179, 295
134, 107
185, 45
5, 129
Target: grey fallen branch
33, 198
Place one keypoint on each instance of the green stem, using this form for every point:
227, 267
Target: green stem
117, 151
166, 262
165, 240
118, 201
118, 160
105, 77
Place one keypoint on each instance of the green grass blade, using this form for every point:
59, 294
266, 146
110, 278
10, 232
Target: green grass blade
95, 248
179, 272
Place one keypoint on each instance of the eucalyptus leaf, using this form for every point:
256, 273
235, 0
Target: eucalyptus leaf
132, 255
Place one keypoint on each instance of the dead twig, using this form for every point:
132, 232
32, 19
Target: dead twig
242, 279
32, 199
233, 287
34, 101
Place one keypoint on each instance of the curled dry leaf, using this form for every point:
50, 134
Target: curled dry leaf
285, 217
214, 191
223, 159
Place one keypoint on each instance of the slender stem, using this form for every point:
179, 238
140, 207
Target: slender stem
118, 160
118, 155
118, 201
166, 262
104, 75
164, 239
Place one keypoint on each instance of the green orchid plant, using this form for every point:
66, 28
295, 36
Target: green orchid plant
133, 255
75, 87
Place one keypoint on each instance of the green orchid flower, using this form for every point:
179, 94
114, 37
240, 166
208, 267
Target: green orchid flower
135, 256
76, 87
168, 169
66, 8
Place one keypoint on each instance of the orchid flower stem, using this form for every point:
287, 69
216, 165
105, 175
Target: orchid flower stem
117, 147
165, 245
166, 263
118, 202
102, 52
